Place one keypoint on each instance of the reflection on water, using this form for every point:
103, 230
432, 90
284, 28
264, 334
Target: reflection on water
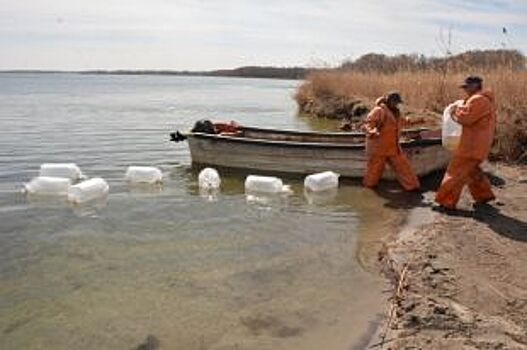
322, 197
91, 208
146, 189
210, 194
193, 270
37, 201
320, 124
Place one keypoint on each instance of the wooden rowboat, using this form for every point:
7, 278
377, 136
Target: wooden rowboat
304, 152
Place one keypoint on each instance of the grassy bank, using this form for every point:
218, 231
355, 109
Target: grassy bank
344, 93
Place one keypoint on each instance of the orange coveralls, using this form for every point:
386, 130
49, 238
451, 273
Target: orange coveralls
478, 118
384, 148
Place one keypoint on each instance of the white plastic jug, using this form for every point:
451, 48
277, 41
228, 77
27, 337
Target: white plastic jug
68, 170
88, 190
263, 184
47, 185
451, 131
209, 179
322, 181
143, 174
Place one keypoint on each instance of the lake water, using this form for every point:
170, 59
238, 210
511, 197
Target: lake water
193, 272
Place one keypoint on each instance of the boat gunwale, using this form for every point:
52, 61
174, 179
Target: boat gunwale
319, 133
428, 142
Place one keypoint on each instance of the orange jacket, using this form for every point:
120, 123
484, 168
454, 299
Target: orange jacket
478, 118
383, 120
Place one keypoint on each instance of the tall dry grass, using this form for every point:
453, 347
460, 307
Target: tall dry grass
432, 91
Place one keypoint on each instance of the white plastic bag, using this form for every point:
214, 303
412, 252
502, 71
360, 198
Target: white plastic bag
88, 190
263, 184
68, 170
143, 174
321, 181
209, 179
451, 131
47, 185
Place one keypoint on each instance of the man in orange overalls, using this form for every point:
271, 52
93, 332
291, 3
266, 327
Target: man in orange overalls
478, 118
383, 127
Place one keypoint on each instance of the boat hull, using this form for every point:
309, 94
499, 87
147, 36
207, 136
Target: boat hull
348, 160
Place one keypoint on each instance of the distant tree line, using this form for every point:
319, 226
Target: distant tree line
478, 60
242, 72
471, 60
263, 72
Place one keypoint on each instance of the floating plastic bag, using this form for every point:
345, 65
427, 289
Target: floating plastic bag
88, 190
68, 170
47, 185
209, 179
263, 184
144, 174
451, 132
322, 181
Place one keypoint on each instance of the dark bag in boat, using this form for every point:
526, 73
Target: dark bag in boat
201, 126
204, 126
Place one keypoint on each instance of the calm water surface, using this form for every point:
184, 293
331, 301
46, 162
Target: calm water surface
195, 272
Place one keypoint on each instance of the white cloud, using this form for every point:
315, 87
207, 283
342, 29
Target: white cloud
206, 34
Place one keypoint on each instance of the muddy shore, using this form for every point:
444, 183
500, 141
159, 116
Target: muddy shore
460, 281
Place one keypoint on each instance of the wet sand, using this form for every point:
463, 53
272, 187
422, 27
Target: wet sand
465, 275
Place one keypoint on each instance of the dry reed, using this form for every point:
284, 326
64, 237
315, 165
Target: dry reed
431, 90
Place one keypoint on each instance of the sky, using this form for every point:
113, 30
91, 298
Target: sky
207, 34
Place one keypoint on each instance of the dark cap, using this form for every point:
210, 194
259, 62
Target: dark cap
394, 96
472, 80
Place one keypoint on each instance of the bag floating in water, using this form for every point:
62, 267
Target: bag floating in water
263, 184
144, 174
47, 185
451, 131
209, 178
68, 170
88, 190
321, 181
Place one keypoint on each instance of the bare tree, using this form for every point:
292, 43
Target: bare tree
445, 45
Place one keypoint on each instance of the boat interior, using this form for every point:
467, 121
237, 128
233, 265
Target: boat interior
322, 137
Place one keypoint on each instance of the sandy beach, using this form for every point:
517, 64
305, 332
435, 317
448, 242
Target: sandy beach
460, 280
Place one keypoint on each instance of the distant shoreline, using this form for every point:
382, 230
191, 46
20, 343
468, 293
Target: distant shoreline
293, 73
